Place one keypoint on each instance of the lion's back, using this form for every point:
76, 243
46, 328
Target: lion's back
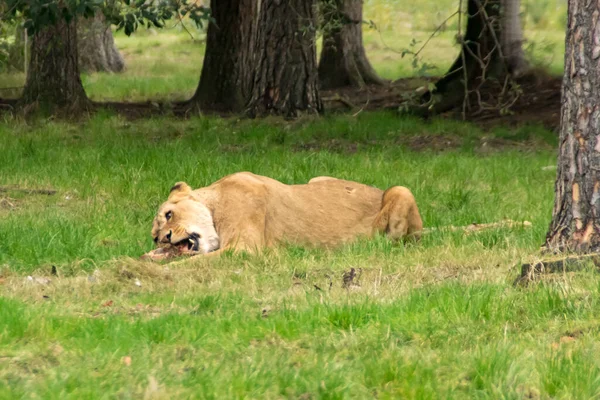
322, 212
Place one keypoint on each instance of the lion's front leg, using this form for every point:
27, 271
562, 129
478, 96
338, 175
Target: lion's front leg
399, 216
241, 225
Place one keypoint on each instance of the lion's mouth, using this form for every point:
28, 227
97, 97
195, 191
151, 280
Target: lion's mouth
189, 244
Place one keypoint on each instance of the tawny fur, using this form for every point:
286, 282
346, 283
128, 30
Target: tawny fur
250, 212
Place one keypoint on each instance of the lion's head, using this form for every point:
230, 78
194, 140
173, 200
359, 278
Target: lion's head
185, 223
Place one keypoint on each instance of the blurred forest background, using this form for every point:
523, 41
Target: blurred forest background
164, 64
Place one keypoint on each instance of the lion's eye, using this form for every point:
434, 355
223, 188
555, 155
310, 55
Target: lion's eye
156, 239
168, 215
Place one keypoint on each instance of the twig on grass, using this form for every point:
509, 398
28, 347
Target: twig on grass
475, 227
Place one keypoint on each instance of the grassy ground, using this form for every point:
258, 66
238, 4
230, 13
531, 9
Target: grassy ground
440, 319
436, 320
108, 165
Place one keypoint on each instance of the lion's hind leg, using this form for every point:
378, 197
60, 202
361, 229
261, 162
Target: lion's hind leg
399, 216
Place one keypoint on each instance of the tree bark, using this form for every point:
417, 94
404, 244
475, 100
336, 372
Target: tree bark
96, 46
286, 79
343, 59
512, 38
53, 82
479, 59
228, 69
575, 222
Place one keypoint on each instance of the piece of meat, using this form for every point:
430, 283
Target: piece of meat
165, 253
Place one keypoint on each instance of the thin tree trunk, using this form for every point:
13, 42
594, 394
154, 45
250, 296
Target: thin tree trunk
228, 69
286, 79
575, 222
343, 59
96, 46
53, 82
512, 38
479, 59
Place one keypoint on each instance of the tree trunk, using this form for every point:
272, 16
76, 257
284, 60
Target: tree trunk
286, 79
575, 222
96, 46
228, 69
478, 60
53, 82
512, 38
343, 59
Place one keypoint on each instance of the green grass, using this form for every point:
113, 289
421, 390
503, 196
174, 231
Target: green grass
440, 319
450, 341
106, 165
164, 66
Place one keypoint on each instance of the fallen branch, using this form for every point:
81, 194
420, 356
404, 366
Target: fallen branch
475, 227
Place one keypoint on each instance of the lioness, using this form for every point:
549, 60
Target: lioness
244, 211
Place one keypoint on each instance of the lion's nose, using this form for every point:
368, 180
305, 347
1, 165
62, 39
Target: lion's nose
167, 238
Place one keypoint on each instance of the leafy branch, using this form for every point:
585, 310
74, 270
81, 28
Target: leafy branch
128, 15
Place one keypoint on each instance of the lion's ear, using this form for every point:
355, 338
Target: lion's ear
180, 188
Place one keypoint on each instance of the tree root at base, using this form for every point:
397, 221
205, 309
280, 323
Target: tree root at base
556, 265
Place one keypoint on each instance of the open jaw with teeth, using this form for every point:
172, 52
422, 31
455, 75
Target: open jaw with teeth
191, 244
187, 247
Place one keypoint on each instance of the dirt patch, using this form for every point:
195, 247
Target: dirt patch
490, 145
234, 148
372, 97
332, 145
426, 143
13, 198
484, 145
539, 103
435, 143
47, 192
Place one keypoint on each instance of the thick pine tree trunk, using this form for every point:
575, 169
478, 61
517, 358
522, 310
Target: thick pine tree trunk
575, 222
286, 79
343, 59
512, 38
96, 46
228, 70
53, 82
